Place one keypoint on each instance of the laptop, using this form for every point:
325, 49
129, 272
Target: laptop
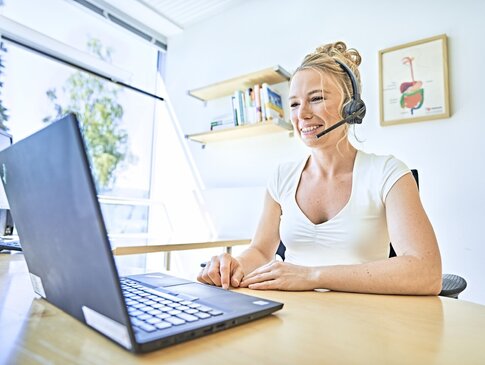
52, 196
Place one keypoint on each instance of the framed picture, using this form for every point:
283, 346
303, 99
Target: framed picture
413, 82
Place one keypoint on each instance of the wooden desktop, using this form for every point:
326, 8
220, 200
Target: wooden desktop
312, 328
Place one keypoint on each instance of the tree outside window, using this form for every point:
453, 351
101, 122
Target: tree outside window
95, 102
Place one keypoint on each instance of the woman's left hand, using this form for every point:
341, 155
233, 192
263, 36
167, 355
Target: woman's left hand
278, 275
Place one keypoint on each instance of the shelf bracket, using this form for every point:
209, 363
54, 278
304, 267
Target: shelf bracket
196, 97
202, 144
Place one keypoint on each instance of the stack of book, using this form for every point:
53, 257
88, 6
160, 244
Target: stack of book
222, 122
256, 104
252, 105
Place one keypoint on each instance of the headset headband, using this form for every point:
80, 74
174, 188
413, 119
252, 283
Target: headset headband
353, 80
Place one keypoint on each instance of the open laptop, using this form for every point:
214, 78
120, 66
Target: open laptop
53, 200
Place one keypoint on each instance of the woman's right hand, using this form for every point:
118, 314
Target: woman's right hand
222, 270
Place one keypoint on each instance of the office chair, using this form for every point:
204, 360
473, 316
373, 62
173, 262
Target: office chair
452, 285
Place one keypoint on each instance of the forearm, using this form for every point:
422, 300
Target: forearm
398, 275
252, 258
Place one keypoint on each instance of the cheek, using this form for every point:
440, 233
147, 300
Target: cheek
294, 122
323, 108
332, 109
294, 119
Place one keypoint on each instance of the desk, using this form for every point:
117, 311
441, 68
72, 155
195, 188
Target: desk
312, 328
151, 248
168, 248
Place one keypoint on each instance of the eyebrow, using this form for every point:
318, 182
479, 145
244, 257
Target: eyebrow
311, 93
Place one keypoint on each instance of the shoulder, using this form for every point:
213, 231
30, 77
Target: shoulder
381, 164
381, 171
290, 167
287, 172
284, 177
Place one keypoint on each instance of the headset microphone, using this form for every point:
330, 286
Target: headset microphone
354, 111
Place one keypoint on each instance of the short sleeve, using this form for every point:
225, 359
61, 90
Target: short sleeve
393, 170
273, 185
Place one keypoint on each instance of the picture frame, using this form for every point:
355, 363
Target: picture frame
413, 82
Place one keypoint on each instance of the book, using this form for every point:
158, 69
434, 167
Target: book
234, 110
222, 121
250, 106
239, 106
215, 126
263, 104
273, 104
257, 102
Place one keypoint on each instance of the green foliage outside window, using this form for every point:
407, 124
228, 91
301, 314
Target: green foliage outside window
95, 103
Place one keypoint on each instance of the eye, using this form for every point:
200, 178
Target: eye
294, 104
316, 99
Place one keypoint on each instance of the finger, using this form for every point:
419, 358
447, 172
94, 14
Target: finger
256, 272
225, 271
213, 271
265, 285
258, 278
260, 270
237, 277
200, 277
205, 276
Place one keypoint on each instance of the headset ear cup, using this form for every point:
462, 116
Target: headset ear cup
355, 106
349, 108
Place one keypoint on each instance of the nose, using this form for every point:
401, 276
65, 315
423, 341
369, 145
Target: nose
305, 111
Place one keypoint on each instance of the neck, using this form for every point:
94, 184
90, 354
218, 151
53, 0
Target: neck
332, 161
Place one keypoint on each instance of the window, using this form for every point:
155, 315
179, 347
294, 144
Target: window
152, 194
125, 201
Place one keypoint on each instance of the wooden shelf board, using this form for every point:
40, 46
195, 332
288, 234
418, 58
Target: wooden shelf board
249, 130
271, 76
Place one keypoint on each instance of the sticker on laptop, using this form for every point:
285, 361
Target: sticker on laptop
37, 284
114, 330
260, 302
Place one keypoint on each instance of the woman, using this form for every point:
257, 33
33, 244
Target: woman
337, 210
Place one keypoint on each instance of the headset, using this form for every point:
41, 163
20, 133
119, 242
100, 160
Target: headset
354, 110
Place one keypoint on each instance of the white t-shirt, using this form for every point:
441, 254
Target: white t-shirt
357, 234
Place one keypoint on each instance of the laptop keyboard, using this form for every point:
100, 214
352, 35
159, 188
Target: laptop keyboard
152, 310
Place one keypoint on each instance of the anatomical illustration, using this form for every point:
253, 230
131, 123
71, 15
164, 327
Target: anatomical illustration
412, 92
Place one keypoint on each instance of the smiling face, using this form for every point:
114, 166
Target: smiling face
315, 104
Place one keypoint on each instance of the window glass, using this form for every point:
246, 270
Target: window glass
145, 199
28, 77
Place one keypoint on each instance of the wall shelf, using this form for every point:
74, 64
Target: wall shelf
244, 131
272, 75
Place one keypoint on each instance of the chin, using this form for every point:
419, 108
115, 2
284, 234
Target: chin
310, 141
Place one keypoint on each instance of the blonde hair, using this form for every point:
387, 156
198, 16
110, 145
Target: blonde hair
322, 60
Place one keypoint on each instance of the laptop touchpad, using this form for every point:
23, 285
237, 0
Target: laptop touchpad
159, 279
201, 291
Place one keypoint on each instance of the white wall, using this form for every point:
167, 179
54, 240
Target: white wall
448, 152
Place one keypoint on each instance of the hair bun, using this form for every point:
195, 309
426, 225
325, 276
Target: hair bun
339, 50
